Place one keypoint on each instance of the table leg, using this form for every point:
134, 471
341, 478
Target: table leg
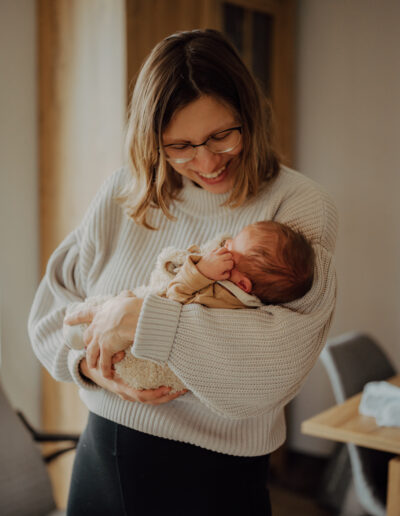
393, 491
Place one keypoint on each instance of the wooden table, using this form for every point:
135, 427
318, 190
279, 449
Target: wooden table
344, 423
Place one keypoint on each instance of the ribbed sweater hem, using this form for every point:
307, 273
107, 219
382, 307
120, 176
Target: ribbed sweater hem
251, 437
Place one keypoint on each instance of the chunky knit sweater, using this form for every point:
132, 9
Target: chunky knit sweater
241, 366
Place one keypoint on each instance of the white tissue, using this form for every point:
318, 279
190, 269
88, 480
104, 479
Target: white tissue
381, 400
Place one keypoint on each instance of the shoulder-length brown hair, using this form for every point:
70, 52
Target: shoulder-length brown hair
180, 69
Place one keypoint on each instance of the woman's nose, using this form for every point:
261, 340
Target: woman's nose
206, 161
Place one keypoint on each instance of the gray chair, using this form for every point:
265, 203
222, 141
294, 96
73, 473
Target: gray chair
25, 488
351, 361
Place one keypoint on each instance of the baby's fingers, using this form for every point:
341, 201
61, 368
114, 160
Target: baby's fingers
228, 264
222, 250
228, 260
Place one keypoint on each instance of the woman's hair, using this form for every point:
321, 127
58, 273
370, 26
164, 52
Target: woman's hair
179, 70
280, 265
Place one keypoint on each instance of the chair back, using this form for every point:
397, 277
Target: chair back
351, 361
25, 488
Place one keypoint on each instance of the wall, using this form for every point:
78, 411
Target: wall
348, 136
19, 368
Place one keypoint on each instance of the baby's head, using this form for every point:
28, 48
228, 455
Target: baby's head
272, 261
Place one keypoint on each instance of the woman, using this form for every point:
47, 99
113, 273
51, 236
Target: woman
201, 163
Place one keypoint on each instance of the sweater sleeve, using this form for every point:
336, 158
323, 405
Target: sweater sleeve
72, 265
243, 363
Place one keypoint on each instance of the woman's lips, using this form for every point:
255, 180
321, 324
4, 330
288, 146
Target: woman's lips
215, 177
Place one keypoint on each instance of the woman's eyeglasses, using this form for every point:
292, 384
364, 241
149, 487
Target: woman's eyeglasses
218, 143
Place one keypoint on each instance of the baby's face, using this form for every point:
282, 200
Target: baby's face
241, 244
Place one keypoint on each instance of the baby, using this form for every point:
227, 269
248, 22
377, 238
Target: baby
266, 259
266, 263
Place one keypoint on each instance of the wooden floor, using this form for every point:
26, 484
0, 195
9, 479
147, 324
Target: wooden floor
285, 502
295, 486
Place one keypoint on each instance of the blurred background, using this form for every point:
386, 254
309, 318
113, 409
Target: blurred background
332, 70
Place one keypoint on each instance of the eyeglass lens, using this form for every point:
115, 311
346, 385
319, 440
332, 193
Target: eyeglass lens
219, 143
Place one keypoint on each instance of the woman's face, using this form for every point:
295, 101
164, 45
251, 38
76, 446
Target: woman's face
194, 124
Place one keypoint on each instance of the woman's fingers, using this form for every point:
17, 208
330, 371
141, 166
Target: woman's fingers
118, 357
83, 316
160, 395
127, 293
149, 396
92, 353
105, 363
99, 355
111, 329
87, 336
168, 397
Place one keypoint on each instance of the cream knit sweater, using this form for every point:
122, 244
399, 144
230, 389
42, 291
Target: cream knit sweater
241, 366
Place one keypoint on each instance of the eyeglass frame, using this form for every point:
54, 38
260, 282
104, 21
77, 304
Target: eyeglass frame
181, 161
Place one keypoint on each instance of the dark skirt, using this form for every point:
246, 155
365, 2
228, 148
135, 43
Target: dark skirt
122, 472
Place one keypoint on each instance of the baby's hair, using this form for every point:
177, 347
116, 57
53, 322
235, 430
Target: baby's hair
281, 263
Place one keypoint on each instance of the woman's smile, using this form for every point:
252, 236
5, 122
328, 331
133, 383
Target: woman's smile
213, 175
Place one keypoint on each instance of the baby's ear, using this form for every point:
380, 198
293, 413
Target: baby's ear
245, 284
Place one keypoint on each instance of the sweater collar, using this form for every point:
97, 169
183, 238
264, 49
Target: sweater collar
196, 199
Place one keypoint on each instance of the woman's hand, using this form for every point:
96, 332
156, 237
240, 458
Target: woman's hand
118, 387
112, 328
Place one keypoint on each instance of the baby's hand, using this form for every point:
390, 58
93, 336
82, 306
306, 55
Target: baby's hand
217, 264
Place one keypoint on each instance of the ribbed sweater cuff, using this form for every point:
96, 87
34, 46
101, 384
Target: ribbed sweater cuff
74, 359
156, 329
